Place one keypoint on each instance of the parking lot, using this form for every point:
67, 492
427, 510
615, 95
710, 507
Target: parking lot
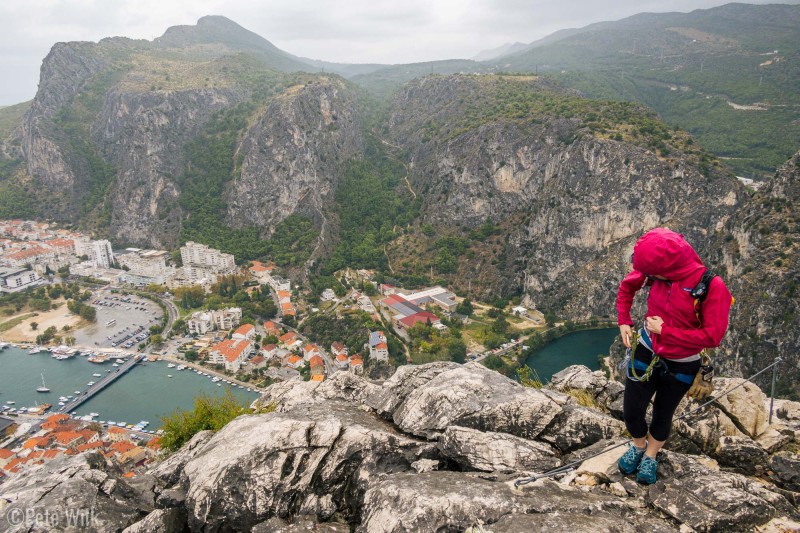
122, 321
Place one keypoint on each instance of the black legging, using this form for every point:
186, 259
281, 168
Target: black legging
667, 389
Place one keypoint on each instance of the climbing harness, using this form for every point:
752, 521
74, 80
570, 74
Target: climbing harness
564, 469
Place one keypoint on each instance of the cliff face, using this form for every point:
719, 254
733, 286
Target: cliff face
577, 198
759, 251
292, 154
437, 448
143, 134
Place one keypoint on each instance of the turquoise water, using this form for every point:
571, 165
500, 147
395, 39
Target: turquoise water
579, 348
144, 393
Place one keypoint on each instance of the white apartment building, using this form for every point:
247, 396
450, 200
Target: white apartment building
147, 264
100, 253
17, 279
200, 255
204, 321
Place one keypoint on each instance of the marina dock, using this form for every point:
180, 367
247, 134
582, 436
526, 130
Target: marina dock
101, 384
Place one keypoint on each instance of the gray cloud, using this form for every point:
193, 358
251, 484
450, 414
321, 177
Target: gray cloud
354, 31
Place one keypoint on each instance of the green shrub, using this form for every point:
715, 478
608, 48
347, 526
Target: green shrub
209, 413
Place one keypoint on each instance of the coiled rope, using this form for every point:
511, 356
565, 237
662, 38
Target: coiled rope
564, 469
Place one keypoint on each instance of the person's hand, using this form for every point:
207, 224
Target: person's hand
654, 324
625, 333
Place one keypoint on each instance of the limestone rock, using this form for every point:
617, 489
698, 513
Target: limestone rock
604, 466
577, 427
405, 380
454, 501
302, 525
343, 386
169, 471
712, 501
785, 469
741, 454
744, 406
571, 522
606, 392
468, 395
160, 521
319, 459
74, 485
489, 451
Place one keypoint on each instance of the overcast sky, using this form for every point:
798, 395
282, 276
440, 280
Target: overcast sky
352, 31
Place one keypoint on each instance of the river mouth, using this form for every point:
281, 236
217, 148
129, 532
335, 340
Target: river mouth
577, 348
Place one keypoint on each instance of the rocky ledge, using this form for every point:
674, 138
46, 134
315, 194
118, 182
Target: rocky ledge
437, 448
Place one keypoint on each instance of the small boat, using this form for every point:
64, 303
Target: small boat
94, 415
108, 370
43, 388
169, 375
120, 361
171, 365
219, 384
10, 402
115, 364
62, 398
181, 367
34, 350
97, 375
90, 383
61, 404
121, 424
76, 393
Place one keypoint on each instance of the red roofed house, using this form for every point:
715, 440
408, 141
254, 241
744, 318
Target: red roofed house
5, 457
269, 351
89, 436
379, 352
153, 446
245, 332
258, 361
271, 328
290, 341
338, 348
134, 456
50, 454
37, 442
260, 271
284, 297
318, 378
295, 361
231, 353
309, 351
116, 434
68, 439
317, 365
356, 364
90, 446
422, 316
122, 447
288, 309
341, 361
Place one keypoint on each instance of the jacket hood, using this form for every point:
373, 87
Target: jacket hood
662, 252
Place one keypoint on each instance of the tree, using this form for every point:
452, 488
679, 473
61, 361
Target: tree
156, 339
500, 325
457, 350
34, 325
87, 312
465, 307
69, 341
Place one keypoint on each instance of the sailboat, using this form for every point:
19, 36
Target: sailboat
43, 388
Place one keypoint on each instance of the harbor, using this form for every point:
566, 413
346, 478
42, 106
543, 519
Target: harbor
147, 391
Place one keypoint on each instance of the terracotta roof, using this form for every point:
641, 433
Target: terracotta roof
115, 429
287, 337
422, 316
51, 454
90, 446
381, 346
341, 358
268, 347
258, 266
293, 359
318, 377
269, 325
5, 453
356, 361
154, 444
308, 348
65, 437
244, 329
34, 442
57, 417
231, 349
257, 360
122, 446
316, 361
337, 346
284, 294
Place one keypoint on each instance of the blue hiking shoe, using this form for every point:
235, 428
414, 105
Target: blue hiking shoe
646, 473
629, 461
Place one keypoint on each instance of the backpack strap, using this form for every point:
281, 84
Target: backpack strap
700, 292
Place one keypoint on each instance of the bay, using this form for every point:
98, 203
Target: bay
144, 393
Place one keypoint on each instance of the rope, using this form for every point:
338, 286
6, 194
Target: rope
570, 466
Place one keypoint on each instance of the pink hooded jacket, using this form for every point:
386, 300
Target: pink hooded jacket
662, 252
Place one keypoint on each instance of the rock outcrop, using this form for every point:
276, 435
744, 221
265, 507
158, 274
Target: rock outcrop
334, 456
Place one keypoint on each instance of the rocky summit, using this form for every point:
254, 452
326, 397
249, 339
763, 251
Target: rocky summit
438, 447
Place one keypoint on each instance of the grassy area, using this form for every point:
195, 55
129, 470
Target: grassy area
7, 325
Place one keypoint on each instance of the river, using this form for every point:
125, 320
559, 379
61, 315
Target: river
144, 393
578, 348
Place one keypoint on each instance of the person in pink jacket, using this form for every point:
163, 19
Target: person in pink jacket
675, 329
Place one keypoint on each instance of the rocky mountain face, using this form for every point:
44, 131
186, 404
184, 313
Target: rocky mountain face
759, 254
573, 199
437, 448
292, 155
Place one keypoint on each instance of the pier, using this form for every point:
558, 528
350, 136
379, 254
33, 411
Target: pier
101, 384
